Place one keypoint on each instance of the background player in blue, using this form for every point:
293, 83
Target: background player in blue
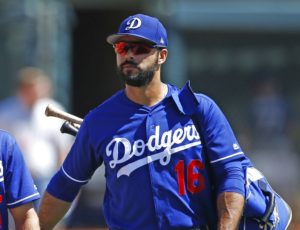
17, 191
164, 170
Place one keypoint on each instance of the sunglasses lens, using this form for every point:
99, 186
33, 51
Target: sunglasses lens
136, 48
121, 48
141, 49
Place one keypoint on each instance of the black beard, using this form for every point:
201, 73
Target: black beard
143, 78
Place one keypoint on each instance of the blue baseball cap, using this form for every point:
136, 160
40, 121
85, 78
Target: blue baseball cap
141, 26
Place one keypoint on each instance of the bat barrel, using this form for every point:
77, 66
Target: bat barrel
52, 111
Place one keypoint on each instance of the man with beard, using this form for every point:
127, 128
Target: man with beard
171, 158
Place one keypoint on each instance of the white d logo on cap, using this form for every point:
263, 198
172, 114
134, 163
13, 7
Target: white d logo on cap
133, 24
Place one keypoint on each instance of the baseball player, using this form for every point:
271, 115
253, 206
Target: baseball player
17, 191
171, 158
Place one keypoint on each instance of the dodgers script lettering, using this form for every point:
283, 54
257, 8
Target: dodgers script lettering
157, 142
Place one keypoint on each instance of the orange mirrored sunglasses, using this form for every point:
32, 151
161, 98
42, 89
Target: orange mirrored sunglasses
136, 48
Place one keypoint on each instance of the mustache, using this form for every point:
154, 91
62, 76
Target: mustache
128, 62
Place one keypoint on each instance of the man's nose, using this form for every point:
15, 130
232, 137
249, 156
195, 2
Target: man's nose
129, 55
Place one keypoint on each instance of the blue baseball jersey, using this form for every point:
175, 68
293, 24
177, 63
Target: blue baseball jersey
16, 184
160, 172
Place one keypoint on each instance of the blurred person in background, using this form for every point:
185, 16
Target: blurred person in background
271, 115
23, 115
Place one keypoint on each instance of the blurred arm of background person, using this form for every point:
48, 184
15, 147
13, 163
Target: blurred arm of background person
25, 217
52, 211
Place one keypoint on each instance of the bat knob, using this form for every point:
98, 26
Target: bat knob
68, 128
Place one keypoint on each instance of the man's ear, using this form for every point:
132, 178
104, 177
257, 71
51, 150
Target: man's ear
162, 56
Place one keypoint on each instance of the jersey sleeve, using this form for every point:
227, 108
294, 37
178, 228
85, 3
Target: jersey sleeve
224, 153
77, 169
19, 185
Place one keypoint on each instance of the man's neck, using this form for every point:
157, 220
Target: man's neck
147, 95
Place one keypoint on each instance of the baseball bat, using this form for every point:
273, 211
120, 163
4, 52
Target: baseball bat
52, 111
69, 128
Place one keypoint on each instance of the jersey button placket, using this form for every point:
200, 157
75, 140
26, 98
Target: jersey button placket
150, 130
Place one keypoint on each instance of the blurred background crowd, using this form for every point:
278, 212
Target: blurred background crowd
244, 54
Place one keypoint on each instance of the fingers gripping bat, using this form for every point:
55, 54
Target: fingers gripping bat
72, 123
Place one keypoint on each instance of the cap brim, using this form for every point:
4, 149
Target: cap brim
112, 39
